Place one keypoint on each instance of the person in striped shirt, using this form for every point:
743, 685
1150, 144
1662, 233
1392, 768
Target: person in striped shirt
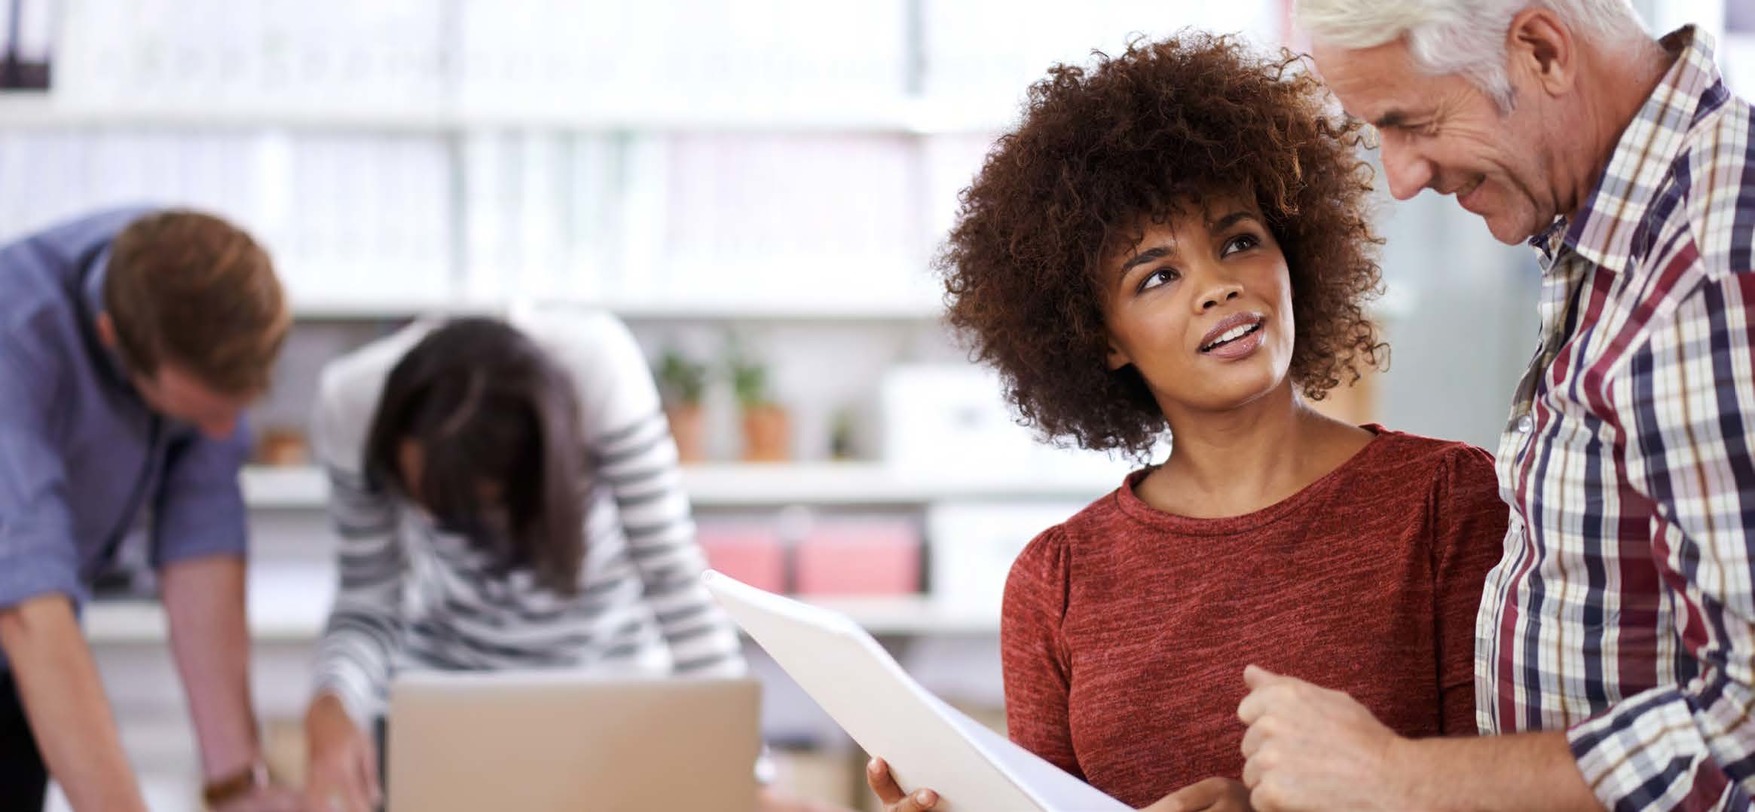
507, 497
1616, 641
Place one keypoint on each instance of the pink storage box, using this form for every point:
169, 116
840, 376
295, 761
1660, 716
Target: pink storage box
751, 553
858, 557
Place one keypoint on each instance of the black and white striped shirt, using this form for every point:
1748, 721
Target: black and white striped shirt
415, 597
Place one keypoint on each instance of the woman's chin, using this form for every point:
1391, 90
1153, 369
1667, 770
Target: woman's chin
1240, 395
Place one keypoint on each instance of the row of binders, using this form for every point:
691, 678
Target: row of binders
694, 218
513, 56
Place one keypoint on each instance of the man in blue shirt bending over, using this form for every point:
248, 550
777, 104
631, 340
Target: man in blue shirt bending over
132, 343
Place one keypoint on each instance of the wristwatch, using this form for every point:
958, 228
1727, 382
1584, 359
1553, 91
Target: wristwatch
224, 790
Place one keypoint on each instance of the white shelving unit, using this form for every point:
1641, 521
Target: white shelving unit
756, 485
20, 110
141, 622
700, 309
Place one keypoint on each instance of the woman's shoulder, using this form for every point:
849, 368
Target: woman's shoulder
348, 390
1404, 454
598, 351
366, 368
1098, 523
575, 335
1450, 478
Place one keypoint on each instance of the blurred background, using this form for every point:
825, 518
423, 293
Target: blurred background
756, 186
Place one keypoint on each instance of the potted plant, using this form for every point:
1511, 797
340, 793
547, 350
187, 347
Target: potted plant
766, 429
682, 384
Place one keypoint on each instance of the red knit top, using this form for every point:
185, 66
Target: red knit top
1126, 629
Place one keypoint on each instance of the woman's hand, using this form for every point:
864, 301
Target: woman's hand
1211, 795
343, 771
877, 776
770, 801
272, 798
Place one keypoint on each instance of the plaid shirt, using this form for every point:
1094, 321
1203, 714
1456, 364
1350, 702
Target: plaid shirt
1624, 608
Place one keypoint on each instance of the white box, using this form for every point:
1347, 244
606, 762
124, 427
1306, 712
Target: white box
971, 547
951, 423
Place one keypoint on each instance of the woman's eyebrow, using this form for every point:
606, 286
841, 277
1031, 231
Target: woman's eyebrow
1230, 220
1143, 257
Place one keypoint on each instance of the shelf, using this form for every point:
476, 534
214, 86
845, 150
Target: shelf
1397, 302
282, 488
21, 110
731, 484
142, 622
759, 485
328, 309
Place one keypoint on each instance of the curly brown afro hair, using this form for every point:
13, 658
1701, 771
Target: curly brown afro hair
1133, 139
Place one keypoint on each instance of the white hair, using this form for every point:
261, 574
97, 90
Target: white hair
1462, 37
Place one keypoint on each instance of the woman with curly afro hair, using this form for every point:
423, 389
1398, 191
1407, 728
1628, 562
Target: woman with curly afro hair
1175, 242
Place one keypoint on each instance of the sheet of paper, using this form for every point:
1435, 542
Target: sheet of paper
1051, 785
927, 743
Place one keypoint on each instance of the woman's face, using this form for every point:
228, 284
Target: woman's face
1202, 307
411, 460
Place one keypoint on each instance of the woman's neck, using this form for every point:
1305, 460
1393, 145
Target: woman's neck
1239, 461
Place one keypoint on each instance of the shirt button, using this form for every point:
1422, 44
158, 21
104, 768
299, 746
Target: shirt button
1525, 424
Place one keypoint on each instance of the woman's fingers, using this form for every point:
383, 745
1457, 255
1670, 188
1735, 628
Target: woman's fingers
878, 777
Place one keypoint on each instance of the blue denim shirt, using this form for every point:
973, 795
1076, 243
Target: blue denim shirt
82, 458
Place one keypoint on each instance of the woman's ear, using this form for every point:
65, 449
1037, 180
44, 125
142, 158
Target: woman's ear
1117, 358
106, 330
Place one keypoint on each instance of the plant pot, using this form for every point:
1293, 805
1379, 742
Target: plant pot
689, 427
766, 434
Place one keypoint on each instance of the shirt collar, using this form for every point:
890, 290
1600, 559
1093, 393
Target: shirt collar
1604, 228
92, 300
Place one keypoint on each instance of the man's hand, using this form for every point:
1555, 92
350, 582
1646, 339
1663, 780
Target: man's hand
1311, 748
62, 694
1211, 795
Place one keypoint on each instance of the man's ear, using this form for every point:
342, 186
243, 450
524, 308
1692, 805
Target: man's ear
106, 330
1546, 48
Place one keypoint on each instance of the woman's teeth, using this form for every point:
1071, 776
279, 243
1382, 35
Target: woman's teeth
1232, 335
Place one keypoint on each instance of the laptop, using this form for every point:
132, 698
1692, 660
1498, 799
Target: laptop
546, 742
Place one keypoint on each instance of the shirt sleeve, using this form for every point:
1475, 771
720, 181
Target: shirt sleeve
200, 507
635, 457
1468, 539
1038, 667
38, 555
1691, 400
365, 626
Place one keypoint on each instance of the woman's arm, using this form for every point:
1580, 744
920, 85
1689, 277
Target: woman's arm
635, 457
1038, 666
365, 624
1468, 539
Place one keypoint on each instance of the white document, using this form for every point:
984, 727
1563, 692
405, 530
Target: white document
926, 742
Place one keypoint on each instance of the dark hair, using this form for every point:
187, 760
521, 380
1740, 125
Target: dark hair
485, 404
1134, 138
195, 290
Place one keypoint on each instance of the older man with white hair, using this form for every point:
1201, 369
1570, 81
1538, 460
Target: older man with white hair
1616, 641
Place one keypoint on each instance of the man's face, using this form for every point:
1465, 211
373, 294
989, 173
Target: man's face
176, 393
1444, 133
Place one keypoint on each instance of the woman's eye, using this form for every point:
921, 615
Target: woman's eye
1162, 276
1241, 242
